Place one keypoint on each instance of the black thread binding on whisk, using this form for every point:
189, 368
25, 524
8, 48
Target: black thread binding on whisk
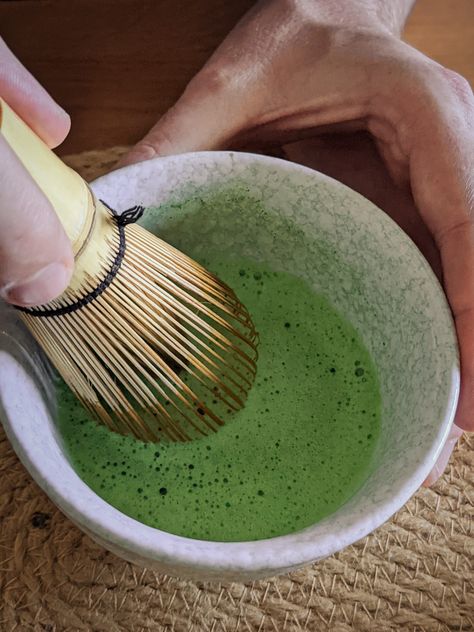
129, 216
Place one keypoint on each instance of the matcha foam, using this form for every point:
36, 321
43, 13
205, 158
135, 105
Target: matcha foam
300, 448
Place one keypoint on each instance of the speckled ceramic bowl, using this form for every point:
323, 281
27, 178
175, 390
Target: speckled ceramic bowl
348, 250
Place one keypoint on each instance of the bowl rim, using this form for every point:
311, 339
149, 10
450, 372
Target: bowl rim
275, 553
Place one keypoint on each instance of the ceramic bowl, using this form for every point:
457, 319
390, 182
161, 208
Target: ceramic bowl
346, 249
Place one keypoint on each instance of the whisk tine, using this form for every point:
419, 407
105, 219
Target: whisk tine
151, 352
144, 322
191, 281
174, 348
143, 395
151, 342
120, 343
194, 323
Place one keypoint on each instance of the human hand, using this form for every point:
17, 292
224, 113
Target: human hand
293, 70
36, 259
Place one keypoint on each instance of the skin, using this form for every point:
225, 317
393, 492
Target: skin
36, 260
334, 83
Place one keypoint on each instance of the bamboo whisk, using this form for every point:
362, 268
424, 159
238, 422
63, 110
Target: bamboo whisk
150, 342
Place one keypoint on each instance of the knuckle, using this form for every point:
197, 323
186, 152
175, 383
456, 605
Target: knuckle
438, 99
216, 80
443, 84
458, 84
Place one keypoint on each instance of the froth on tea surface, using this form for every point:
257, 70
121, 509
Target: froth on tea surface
300, 448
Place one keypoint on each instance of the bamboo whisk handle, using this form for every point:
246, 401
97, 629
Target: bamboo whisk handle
66, 190
153, 310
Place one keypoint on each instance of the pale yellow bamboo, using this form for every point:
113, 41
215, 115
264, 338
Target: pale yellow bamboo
117, 352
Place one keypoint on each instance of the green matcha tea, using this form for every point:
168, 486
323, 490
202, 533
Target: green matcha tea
300, 448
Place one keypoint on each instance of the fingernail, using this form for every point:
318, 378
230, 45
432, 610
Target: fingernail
41, 287
62, 112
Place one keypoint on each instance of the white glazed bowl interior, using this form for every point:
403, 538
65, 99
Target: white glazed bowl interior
346, 249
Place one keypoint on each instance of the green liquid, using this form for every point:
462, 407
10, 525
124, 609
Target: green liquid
300, 448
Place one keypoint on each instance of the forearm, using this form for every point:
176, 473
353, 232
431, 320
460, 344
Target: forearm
387, 14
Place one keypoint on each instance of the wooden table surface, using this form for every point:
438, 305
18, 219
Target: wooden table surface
115, 65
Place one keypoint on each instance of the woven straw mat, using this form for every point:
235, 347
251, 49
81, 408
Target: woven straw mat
415, 573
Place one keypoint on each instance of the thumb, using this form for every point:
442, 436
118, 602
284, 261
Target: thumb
36, 259
207, 115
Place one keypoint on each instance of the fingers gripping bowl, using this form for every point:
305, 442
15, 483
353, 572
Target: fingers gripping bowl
349, 252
